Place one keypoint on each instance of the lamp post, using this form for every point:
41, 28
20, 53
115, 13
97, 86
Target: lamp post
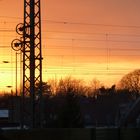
11, 103
7, 62
10, 87
18, 53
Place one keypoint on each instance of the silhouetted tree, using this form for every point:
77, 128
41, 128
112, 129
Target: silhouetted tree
94, 88
69, 83
46, 89
102, 91
131, 82
112, 90
53, 85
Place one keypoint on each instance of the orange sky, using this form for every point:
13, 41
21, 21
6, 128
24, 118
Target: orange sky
83, 38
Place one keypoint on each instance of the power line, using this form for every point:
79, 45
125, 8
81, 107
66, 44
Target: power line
75, 72
90, 33
11, 17
89, 47
3, 46
86, 73
6, 30
81, 47
79, 67
76, 55
85, 55
82, 39
80, 33
78, 23
91, 24
93, 40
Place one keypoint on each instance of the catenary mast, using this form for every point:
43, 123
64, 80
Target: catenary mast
30, 46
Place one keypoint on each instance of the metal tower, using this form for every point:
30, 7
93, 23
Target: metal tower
30, 45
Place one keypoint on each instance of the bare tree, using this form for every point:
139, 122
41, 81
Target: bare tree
53, 85
94, 87
131, 82
46, 89
69, 83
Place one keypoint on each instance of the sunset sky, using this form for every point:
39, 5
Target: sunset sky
85, 39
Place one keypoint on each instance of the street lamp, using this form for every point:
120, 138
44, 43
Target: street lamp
5, 61
10, 87
12, 103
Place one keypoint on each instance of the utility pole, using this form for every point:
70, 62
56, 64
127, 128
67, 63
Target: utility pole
30, 45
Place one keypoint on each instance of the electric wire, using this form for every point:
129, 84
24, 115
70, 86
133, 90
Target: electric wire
76, 23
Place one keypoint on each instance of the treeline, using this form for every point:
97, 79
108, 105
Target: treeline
71, 103
93, 89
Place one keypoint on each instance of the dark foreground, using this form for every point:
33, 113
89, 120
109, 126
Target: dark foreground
72, 134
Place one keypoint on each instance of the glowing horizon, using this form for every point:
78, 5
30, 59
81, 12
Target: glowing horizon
83, 39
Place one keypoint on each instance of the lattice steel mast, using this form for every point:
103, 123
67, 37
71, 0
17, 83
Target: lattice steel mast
32, 63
